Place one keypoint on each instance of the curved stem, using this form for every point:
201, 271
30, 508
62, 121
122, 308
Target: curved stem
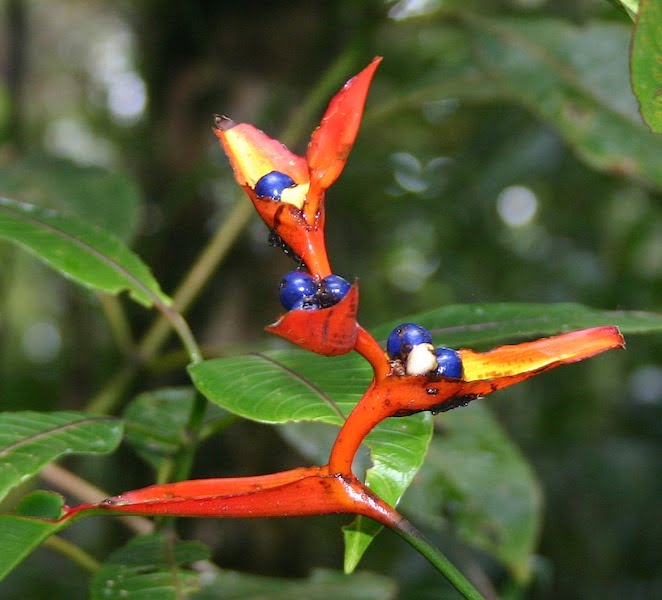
182, 329
412, 535
367, 346
359, 423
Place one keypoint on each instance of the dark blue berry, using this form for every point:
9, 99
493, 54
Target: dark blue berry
333, 289
449, 363
298, 290
272, 184
404, 337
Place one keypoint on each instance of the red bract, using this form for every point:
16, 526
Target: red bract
391, 394
298, 217
299, 492
330, 331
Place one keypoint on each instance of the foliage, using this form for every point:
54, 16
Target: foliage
474, 104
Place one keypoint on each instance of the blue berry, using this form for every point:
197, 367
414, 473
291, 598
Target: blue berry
404, 337
297, 290
449, 363
333, 289
272, 184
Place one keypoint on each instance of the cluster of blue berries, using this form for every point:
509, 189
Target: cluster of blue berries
299, 290
272, 185
411, 344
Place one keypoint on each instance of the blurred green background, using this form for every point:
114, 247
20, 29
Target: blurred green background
501, 158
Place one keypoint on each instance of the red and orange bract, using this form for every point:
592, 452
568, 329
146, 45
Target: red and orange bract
334, 488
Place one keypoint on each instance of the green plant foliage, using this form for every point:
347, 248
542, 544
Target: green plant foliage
647, 63
476, 482
151, 566
80, 251
30, 440
573, 77
320, 585
108, 200
292, 386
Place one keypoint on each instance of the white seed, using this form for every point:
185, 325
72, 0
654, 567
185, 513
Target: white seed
421, 360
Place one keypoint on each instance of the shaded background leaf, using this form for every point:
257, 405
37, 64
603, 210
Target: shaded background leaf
576, 78
149, 567
320, 585
476, 484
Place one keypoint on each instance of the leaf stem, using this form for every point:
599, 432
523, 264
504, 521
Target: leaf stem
412, 535
73, 552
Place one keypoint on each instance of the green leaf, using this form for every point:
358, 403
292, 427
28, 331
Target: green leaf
478, 482
108, 200
320, 585
292, 386
80, 251
150, 566
30, 440
20, 536
470, 325
646, 60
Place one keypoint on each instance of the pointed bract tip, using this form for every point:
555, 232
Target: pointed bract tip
223, 123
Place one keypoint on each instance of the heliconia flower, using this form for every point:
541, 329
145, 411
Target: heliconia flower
398, 394
288, 190
304, 491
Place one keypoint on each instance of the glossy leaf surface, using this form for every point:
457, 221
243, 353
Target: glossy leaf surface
79, 251
30, 440
151, 566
